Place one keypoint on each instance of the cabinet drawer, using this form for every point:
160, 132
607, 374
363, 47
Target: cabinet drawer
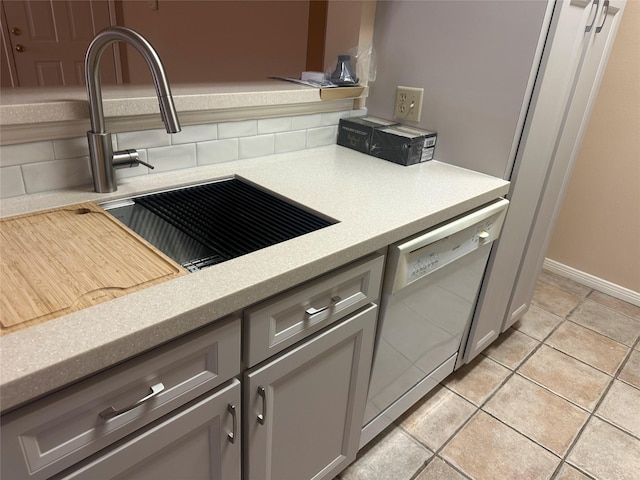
192, 443
58, 431
278, 323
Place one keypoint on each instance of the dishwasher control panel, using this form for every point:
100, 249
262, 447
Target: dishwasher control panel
428, 259
425, 253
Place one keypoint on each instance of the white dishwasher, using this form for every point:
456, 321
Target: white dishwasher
429, 294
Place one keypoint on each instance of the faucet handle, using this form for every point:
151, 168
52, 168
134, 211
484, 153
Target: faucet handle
148, 165
128, 159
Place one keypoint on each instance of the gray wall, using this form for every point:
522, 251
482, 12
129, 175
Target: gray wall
473, 59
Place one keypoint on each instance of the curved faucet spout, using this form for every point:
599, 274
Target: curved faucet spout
92, 76
103, 159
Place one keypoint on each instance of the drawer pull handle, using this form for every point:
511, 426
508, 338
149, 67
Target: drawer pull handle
112, 412
334, 300
262, 415
232, 436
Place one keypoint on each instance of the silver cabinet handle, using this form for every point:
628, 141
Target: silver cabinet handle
605, 11
312, 311
261, 416
112, 412
232, 436
594, 9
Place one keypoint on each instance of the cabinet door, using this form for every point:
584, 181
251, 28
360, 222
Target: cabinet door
200, 442
304, 409
575, 122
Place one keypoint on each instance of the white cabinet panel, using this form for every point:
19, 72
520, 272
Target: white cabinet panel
595, 50
554, 92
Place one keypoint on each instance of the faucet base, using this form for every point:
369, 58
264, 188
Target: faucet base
101, 155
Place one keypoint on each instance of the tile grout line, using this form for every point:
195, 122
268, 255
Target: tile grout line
604, 334
436, 453
563, 458
592, 413
516, 372
512, 373
587, 297
478, 408
398, 424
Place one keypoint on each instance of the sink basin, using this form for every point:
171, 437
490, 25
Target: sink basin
203, 225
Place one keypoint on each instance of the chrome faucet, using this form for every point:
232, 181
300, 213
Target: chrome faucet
104, 160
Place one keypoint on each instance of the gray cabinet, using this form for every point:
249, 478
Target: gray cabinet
304, 409
60, 431
199, 442
177, 411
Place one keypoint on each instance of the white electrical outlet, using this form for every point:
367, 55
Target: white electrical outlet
408, 103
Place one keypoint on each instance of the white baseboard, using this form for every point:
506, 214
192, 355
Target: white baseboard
592, 281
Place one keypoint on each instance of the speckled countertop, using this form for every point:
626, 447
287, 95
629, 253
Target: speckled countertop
376, 202
23, 105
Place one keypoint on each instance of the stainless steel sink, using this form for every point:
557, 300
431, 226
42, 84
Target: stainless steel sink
207, 224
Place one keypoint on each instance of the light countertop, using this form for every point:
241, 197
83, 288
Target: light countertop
376, 202
63, 112
58, 104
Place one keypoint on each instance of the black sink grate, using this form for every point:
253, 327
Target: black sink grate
231, 217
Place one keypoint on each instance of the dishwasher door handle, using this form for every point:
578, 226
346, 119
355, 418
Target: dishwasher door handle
453, 227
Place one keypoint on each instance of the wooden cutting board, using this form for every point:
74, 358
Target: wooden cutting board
58, 261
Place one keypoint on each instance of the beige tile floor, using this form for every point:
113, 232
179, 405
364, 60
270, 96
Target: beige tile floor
555, 397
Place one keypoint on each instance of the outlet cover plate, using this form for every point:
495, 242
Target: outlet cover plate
408, 106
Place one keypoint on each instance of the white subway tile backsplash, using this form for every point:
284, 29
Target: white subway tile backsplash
143, 139
274, 125
71, 148
11, 183
43, 166
259, 146
333, 118
302, 122
319, 137
175, 157
217, 151
24, 153
44, 176
195, 133
361, 112
290, 141
244, 128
